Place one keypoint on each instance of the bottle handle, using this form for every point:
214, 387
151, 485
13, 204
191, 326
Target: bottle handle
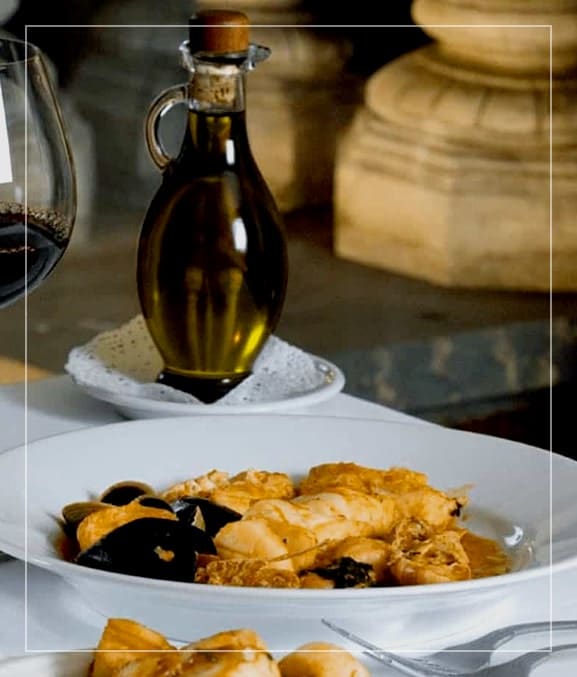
159, 107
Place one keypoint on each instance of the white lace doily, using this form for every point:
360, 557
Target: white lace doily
125, 361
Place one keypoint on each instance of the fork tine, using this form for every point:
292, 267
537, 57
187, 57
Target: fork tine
494, 639
523, 665
407, 666
476, 654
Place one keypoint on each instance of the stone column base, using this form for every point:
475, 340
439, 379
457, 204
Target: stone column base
445, 176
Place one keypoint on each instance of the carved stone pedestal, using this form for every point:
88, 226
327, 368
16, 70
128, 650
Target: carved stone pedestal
445, 173
298, 101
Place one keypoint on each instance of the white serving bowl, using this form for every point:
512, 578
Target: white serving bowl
509, 501
47, 665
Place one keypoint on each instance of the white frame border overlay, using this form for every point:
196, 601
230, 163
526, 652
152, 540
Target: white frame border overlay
329, 26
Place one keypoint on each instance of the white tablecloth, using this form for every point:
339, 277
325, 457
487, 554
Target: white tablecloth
57, 617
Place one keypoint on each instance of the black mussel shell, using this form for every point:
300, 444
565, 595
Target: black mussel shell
212, 516
123, 493
149, 501
151, 547
346, 572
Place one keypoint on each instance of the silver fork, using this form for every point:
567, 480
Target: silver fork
476, 654
418, 667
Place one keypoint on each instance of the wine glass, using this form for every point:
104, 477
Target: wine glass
37, 182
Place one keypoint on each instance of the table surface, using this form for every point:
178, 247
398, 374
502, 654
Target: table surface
56, 617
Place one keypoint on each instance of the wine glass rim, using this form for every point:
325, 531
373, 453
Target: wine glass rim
28, 51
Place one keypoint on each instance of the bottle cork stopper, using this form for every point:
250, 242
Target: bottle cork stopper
219, 31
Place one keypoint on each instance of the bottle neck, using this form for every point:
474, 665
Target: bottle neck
216, 126
217, 86
220, 138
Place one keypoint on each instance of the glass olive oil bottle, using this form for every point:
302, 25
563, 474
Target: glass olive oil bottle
212, 260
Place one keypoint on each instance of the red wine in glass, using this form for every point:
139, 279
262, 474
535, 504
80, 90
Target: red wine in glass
30, 247
37, 181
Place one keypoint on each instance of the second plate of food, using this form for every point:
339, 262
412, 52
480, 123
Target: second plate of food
384, 533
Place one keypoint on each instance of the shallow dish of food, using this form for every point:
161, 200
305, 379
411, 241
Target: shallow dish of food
501, 489
342, 525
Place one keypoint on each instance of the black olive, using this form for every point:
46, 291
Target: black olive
150, 547
347, 573
212, 516
123, 493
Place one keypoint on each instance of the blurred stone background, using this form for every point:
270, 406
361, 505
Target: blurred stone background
479, 359
299, 101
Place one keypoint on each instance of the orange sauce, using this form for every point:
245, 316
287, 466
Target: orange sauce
486, 557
